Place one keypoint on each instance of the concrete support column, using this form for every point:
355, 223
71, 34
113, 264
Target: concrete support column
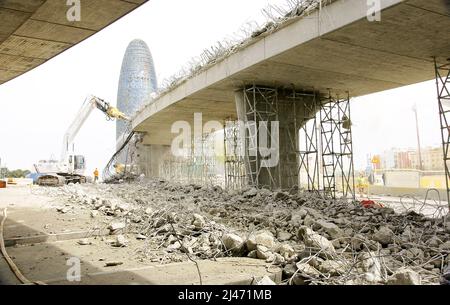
242, 118
291, 113
294, 111
150, 158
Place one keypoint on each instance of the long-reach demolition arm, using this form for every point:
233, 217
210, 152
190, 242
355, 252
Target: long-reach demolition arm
110, 111
89, 104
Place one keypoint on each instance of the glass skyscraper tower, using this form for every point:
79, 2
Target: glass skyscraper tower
137, 81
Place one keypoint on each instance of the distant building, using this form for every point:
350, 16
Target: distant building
137, 81
432, 159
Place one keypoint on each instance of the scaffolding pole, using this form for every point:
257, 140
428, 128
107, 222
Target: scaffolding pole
305, 107
234, 167
337, 147
197, 168
443, 95
261, 106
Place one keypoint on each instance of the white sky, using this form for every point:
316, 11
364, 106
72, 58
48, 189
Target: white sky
37, 108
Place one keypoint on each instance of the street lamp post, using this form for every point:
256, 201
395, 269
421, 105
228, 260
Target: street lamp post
419, 151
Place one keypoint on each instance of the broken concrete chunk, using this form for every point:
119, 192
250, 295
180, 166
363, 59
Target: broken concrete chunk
330, 228
175, 246
112, 264
252, 254
84, 242
94, 214
281, 196
263, 252
370, 264
276, 259
445, 246
263, 238
148, 211
332, 267
404, 276
116, 226
286, 251
384, 236
306, 269
250, 193
434, 242
314, 213
265, 281
284, 236
198, 221
97, 204
121, 241
357, 242
289, 270
123, 207
316, 241
63, 210
232, 242
141, 237
308, 221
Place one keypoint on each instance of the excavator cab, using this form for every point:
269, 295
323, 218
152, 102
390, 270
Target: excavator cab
77, 164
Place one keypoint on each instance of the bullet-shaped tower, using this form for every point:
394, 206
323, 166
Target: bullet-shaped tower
137, 81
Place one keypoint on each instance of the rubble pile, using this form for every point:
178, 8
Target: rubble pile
314, 240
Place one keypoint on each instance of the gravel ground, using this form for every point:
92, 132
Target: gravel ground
314, 240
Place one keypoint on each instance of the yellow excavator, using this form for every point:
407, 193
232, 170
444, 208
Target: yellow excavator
70, 167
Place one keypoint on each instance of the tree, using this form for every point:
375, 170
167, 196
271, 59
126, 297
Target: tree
18, 173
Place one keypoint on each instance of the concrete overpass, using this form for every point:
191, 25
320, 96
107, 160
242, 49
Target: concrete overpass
34, 31
336, 48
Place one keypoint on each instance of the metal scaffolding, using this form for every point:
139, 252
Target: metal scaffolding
337, 147
305, 140
235, 174
443, 94
261, 107
198, 168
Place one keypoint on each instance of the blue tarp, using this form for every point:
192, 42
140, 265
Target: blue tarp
34, 176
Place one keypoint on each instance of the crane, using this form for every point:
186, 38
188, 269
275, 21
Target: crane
71, 167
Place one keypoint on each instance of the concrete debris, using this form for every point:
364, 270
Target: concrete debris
123, 207
314, 240
284, 236
112, 264
121, 241
198, 222
263, 252
232, 242
116, 226
384, 236
141, 237
330, 228
306, 269
262, 238
370, 264
446, 276
265, 281
286, 251
445, 246
84, 242
404, 276
250, 193
332, 267
63, 210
